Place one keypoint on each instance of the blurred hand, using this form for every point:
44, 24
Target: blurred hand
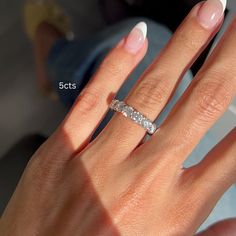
115, 186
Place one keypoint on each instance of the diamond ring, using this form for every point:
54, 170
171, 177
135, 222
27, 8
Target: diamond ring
134, 115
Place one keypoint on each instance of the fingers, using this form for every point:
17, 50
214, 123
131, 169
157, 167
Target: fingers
155, 87
204, 102
205, 183
222, 228
92, 104
210, 179
218, 169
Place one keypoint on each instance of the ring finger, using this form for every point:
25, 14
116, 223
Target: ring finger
155, 87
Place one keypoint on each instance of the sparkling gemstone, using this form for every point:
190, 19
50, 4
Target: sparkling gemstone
137, 117
121, 106
114, 104
152, 129
127, 111
146, 123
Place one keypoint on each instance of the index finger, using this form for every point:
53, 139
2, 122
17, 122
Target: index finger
93, 102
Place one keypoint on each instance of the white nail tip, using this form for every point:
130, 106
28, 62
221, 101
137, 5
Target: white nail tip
142, 26
224, 3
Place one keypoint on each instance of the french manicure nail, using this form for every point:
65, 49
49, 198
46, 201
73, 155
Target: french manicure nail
211, 12
136, 38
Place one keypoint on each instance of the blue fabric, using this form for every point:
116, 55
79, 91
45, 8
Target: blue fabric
76, 61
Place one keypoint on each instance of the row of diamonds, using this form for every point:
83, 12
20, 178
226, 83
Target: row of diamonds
136, 116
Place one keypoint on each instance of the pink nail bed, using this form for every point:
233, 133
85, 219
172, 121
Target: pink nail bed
136, 38
211, 12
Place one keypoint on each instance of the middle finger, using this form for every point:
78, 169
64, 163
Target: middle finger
155, 87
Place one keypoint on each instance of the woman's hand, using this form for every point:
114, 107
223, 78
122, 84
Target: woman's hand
116, 186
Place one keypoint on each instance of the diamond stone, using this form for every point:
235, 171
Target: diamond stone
114, 104
121, 106
146, 123
133, 114
152, 128
127, 111
137, 117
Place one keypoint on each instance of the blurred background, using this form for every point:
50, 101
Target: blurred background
25, 111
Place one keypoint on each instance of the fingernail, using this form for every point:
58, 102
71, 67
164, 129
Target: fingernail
211, 12
136, 38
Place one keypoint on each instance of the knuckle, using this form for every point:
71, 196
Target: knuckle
88, 100
213, 97
150, 92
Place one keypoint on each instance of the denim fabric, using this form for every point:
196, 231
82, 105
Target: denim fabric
76, 61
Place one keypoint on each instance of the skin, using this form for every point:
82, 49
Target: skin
116, 186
